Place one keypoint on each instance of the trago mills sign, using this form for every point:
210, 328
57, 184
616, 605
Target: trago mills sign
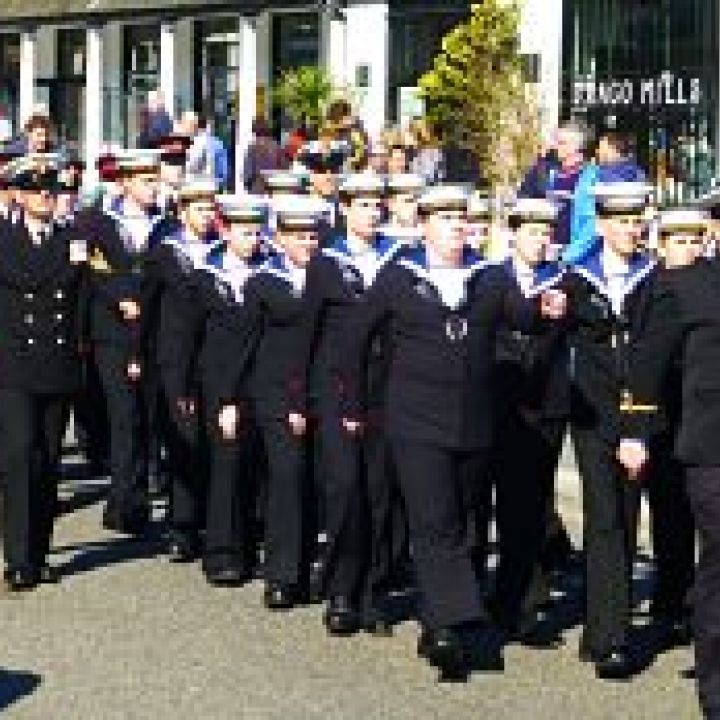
664, 90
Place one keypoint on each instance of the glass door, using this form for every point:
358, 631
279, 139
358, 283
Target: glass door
649, 69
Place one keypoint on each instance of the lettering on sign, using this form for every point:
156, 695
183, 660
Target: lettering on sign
666, 89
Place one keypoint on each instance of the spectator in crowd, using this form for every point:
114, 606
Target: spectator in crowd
207, 155
348, 128
378, 157
615, 161
429, 159
263, 154
37, 136
398, 161
156, 122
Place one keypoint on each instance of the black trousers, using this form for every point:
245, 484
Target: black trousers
703, 486
673, 530
126, 409
32, 430
188, 471
610, 507
91, 417
288, 520
228, 501
524, 462
431, 479
346, 510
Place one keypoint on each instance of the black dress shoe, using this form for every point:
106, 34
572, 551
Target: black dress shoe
226, 576
136, 523
48, 575
182, 547
280, 597
617, 664
444, 650
20, 579
377, 623
341, 617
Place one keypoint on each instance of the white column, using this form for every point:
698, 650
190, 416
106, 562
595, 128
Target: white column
167, 64
247, 90
263, 25
541, 34
333, 48
28, 49
93, 101
367, 52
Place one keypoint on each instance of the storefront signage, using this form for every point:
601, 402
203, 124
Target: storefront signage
664, 90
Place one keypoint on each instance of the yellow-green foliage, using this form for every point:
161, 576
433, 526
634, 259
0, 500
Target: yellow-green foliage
476, 95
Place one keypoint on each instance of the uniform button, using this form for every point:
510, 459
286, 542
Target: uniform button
59, 316
59, 294
31, 341
29, 296
29, 319
60, 341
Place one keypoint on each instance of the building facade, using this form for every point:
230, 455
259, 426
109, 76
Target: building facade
647, 69
93, 64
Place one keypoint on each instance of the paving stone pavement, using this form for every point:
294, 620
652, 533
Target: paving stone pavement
128, 636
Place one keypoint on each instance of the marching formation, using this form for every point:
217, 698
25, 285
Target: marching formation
334, 370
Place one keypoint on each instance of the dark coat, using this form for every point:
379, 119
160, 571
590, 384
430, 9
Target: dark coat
440, 385
42, 299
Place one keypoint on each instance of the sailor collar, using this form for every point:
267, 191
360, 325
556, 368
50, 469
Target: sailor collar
190, 252
544, 276
368, 264
116, 211
591, 269
231, 273
450, 284
280, 266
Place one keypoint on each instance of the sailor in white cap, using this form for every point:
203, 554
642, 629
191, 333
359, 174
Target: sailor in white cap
682, 235
403, 191
172, 292
274, 301
337, 279
607, 294
228, 553
119, 239
440, 305
532, 400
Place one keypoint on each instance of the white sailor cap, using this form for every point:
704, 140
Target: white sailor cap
318, 156
362, 185
195, 189
285, 181
134, 162
480, 206
405, 183
300, 213
534, 210
247, 209
621, 198
682, 220
444, 197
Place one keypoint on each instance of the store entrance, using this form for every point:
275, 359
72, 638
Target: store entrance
650, 70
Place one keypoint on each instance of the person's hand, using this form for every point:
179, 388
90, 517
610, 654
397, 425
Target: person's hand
130, 310
633, 456
298, 424
134, 371
352, 427
186, 406
228, 422
553, 304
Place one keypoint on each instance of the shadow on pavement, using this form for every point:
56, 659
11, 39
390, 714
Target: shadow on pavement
93, 556
15, 685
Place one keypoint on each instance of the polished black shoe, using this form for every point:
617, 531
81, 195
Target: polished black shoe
226, 576
182, 548
280, 597
444, 650
20, 579
49, 575
617, 664
377, 623
341, 617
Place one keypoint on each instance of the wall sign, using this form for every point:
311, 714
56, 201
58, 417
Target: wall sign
664, 90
